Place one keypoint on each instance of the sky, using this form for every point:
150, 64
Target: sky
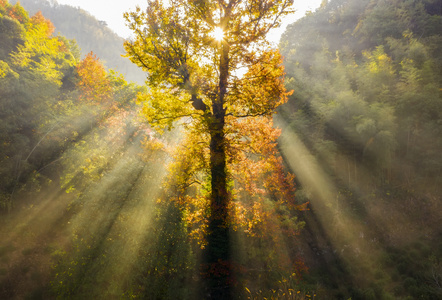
112, 13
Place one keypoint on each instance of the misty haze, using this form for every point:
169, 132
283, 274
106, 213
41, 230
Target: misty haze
198, 160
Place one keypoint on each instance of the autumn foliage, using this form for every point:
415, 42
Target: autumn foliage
93, 82
227, 169
17, 12
39, 19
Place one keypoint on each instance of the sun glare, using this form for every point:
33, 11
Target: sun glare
217, 34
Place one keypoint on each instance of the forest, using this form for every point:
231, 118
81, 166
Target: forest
89, 34
206, 164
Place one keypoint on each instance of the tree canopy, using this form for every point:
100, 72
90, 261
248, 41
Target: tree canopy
367, 106
89, 33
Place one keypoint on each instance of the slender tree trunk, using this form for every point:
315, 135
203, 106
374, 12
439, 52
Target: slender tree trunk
218, 248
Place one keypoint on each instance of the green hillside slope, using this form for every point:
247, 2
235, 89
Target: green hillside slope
89, 33
363, 134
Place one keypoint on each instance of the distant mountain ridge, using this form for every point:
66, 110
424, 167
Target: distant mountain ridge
90, 34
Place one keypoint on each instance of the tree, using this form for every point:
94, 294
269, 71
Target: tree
33, 66
93, 83
195, 75
88, 32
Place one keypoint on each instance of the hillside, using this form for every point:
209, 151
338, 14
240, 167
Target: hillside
89, 33
323, 183
363, 134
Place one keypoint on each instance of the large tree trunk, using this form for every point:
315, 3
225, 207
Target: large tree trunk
218, 248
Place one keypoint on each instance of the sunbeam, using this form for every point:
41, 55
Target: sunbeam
353, 239
237, 169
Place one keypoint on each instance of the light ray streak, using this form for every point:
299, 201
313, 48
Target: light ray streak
345, 231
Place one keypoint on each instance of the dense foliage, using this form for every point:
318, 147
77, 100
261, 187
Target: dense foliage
34, 65
368, 76
95, 204
57, 134
229, 161
89, 33
367, 107
82, 179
